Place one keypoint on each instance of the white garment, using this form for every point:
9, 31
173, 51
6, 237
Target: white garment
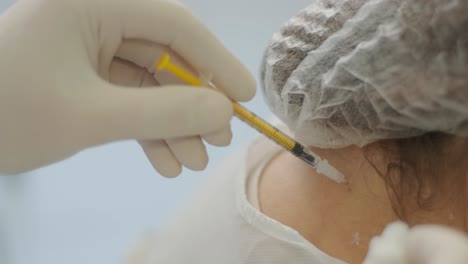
219, 225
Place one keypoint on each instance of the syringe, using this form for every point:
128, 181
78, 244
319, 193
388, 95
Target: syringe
322, 166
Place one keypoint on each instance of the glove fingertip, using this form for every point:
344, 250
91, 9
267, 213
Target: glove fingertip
219, 138
215, 111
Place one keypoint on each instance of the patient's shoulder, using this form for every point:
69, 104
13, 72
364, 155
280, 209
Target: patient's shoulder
294, 194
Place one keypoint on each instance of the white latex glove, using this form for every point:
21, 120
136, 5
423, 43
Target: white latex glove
67, 69
428, 244
437, 245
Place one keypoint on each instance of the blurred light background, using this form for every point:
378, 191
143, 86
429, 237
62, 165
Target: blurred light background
93, 206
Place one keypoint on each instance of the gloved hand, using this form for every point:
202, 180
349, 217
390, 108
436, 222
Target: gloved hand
428, 244
67, 69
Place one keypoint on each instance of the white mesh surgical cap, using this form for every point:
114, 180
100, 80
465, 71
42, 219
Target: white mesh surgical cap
353, 72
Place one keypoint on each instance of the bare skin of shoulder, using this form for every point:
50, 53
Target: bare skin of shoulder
338, 219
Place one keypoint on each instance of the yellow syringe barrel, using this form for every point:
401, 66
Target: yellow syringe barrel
240, 111
263, 127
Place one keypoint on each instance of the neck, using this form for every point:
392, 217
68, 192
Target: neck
366, 182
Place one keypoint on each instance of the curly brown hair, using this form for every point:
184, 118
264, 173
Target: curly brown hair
420, 169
